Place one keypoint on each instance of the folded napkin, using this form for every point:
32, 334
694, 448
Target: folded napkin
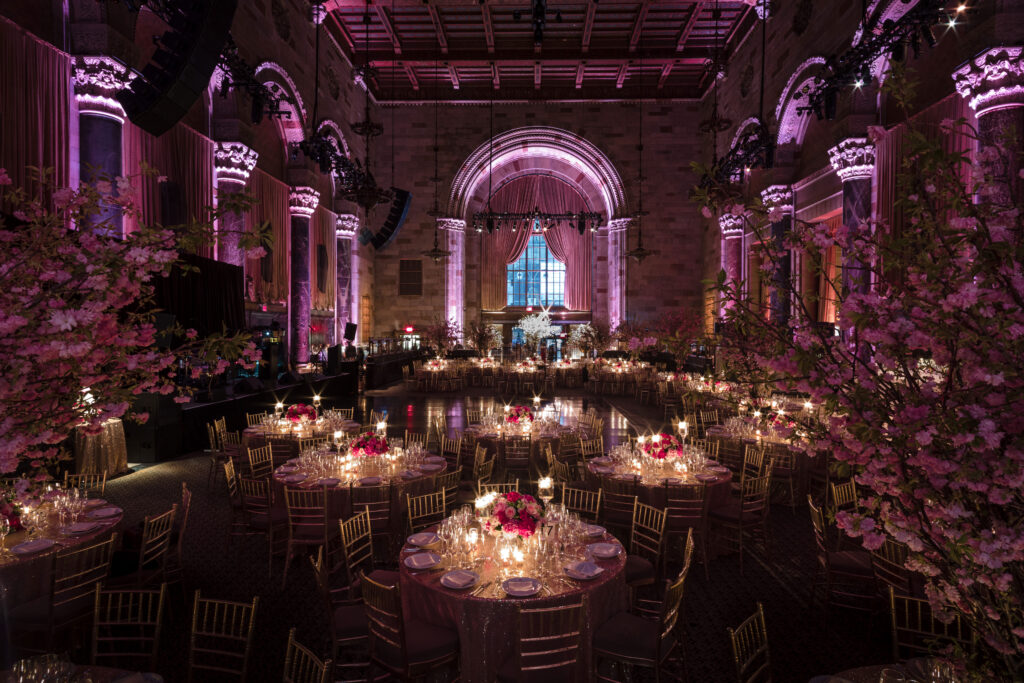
595, 530
706, 477
431, 467
435, 458
79, 528
604, 550
369, 481
673, 480
329, 481
422, 560
104, 513
95, 503
409, 474
524, 585
295, 478
460, 578
34, 546
423, 538
583, 570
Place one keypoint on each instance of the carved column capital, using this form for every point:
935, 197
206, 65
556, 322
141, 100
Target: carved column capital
302, 201
853, 159
994, 79
346, 226
233, 161
98, 80
731, 225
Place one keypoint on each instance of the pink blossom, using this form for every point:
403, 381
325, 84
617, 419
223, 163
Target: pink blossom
4, 178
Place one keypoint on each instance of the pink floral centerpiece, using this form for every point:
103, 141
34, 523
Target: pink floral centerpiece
519, 414
660, 446
370, 444
514, 513
10, 509
300, 412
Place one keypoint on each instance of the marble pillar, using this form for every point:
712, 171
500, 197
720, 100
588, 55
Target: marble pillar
97, 81
778, 199
731, 226
454, 230
345, 231
302, 203
232, 164
993, 84
617, 234
853, 160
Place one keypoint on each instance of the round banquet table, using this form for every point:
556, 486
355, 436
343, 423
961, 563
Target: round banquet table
488, 623
652, 492
339, 494
494, 444
27, 577
917, 669
99, 674
256, 436
102, 452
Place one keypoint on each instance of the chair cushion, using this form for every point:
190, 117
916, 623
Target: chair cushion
638, 569
349, 622
423, 642
856, 562
627, 635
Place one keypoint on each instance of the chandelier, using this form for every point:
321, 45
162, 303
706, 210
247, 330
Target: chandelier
536, 220
638, 253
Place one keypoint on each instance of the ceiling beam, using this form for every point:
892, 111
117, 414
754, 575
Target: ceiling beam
552, 55
453, 75
579, 74
691, 22
495, 78
588, 24
484, 63
338, 27
511, 4
621, 78
410, 73
481, 93
666, 70
382, 14
638, 25
435, 17
536, 76
485, 12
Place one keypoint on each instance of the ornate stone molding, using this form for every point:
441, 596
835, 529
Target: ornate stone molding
302, 201
853, 159
992, 80
346, 226
97, 82
619, 224
731, 225
233, 161
451, 224
778, 197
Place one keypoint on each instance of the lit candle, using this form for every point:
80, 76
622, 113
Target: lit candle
381, 426
316, 400
757, 413
641, 439
656, 438
518, 555
507, 409
544, 483
504, 554
536, 400
337, 437
808, 406
278, 408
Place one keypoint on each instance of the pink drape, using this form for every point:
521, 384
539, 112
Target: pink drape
322, 231
35, 82
549, 195
828, 278
271, 205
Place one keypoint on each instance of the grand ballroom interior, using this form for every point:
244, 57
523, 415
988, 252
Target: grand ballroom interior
512, 340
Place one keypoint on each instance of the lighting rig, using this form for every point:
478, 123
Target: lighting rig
536, 220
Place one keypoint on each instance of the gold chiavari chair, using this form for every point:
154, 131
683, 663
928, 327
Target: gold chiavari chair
889, 565
425, 510
474, 417
261, 462
307, 522
730, 454
842, 496
75, 575
517, 455
591, 448
686, 515
467, 452
126, 626
347, 621
255, 419
638, 641
483, 473
345, 413
173, 569
149, 564
748, 516
618, 498
95, 484
220, 639
785, 475
358, 552
234, 499
448, 484
585, 503
708, 418
753, 461
313, 443
750, 653
301, 665
398, 644
846, 575
711, 448
484, 488
916, 632
376, 417
376, 500
569, 449
413, 437
549, 644
260, 515
451, 451
282, 448
217, 455
560, 472
646, 543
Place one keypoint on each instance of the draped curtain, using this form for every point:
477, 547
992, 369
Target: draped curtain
271, 205
183, 159
549, 195
35, 100
323, 256
828, 277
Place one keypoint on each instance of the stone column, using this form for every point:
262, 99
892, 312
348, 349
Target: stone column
232, 164
302, 203
97, 81
778, 199
345, 230
454, 230
853, 160
993, 84
731, 226
617, 234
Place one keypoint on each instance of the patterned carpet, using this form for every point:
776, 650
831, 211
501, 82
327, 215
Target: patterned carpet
802, 644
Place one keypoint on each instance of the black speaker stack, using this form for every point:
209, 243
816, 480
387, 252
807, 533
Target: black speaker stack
393, 222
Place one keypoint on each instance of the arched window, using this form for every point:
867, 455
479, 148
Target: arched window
537, 278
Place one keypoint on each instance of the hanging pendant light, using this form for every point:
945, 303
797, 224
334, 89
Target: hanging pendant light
437, 254
638, 253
